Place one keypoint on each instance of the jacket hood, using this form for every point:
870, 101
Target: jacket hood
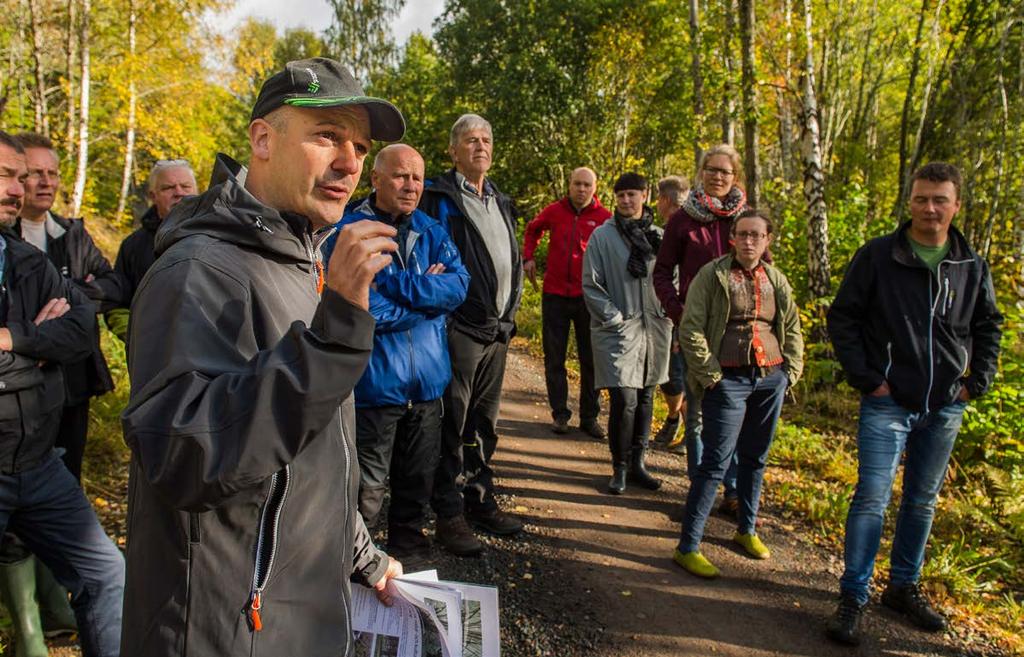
418, 220
904, 254
595, 204
228, 212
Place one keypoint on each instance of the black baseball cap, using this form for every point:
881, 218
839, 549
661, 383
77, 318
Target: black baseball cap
322, 82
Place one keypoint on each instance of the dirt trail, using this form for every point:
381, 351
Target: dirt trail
611, 555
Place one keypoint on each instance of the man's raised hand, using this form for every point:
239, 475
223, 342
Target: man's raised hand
361, 251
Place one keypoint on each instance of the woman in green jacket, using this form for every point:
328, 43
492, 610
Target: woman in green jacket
740, 335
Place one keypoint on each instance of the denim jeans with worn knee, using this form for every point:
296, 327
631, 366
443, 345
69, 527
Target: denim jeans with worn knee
885, 431
693, 424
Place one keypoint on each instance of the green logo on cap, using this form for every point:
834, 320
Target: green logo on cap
313, 87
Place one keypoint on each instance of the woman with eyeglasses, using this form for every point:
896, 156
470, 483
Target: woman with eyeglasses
740, 334
694, 236
629, 332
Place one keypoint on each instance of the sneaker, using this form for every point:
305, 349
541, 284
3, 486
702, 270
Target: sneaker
667, 433
844, 625
752, 544
496, 522
592, 429
560, 427
456, 537
730, 507
910, 601
695, 563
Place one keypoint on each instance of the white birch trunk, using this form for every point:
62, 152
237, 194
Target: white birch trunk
818, 268
129, 138
42, 117
83, 115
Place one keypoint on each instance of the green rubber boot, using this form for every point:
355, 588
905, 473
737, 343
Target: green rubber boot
18, 590
54, 609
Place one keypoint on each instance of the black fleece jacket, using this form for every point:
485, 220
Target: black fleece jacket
924, 333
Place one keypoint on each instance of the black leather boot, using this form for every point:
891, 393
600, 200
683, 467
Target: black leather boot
638, 473
617, 484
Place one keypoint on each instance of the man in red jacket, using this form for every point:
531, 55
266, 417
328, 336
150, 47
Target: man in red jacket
570, 222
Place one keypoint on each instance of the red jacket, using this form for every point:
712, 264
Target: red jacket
570, 232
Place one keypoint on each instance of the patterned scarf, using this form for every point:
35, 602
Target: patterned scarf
643, 240
706, 208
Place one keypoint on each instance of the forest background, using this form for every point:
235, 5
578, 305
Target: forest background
832, 102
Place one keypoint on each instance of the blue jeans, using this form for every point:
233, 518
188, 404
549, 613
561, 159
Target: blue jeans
694, 446
887, 430
48, 511
740, 416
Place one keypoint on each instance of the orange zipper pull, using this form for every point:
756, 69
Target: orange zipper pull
319, 277
254, 613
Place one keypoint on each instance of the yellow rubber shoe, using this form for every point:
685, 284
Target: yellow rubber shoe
695, 563
753, 545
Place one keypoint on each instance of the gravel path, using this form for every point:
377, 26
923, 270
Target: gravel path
593, 574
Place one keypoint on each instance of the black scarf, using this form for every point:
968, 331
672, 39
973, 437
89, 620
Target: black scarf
642, 238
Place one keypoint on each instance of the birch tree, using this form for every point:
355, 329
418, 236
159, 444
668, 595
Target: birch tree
697, 77
818, 268
129, 137
750, 128
83, 112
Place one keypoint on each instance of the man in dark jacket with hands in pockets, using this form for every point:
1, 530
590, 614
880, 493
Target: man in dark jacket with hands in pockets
916, 329
243, 531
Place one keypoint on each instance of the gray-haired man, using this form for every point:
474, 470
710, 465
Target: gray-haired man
482, 223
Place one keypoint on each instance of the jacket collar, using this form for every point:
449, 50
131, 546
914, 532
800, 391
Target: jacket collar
904, 254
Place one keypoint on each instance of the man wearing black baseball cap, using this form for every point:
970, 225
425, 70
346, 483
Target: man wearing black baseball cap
243, 531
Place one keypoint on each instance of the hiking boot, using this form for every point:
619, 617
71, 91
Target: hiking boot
496, 522
667, 433
617, 484
752, 544
638, 473
910, 601
592, 429
456, 537
677, 446
730, 507
560, 427
844, 625
695, 563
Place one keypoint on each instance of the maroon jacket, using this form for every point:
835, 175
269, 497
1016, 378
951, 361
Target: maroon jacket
570, 232
689, 245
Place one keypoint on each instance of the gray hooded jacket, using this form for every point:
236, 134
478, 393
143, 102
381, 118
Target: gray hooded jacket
242, 532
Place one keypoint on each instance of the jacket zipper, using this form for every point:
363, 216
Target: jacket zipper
888, 366
411, 257
266, 543
933, 305
345, 528
572, 244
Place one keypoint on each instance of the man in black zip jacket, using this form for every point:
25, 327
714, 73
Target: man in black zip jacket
71, 250
242, 523
916, 329
170, 182
482, 222
45, 322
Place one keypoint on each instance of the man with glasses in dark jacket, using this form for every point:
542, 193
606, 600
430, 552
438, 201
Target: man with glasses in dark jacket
482, 223
916, 329
46, 322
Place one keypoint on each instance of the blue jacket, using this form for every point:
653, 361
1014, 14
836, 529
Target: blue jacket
410, 361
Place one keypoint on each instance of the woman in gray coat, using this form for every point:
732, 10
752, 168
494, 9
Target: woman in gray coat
629, 330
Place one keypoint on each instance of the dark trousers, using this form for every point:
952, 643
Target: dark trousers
74, 425
469, 437
46, 508
558, 315
399, 445
629, 420
740, 416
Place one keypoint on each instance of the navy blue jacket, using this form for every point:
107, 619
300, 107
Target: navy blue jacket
924, 333
410, 361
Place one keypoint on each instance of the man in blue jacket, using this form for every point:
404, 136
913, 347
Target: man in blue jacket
916, 329
398, 398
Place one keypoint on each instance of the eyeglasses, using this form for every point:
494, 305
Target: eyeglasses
715, 171
744, 235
